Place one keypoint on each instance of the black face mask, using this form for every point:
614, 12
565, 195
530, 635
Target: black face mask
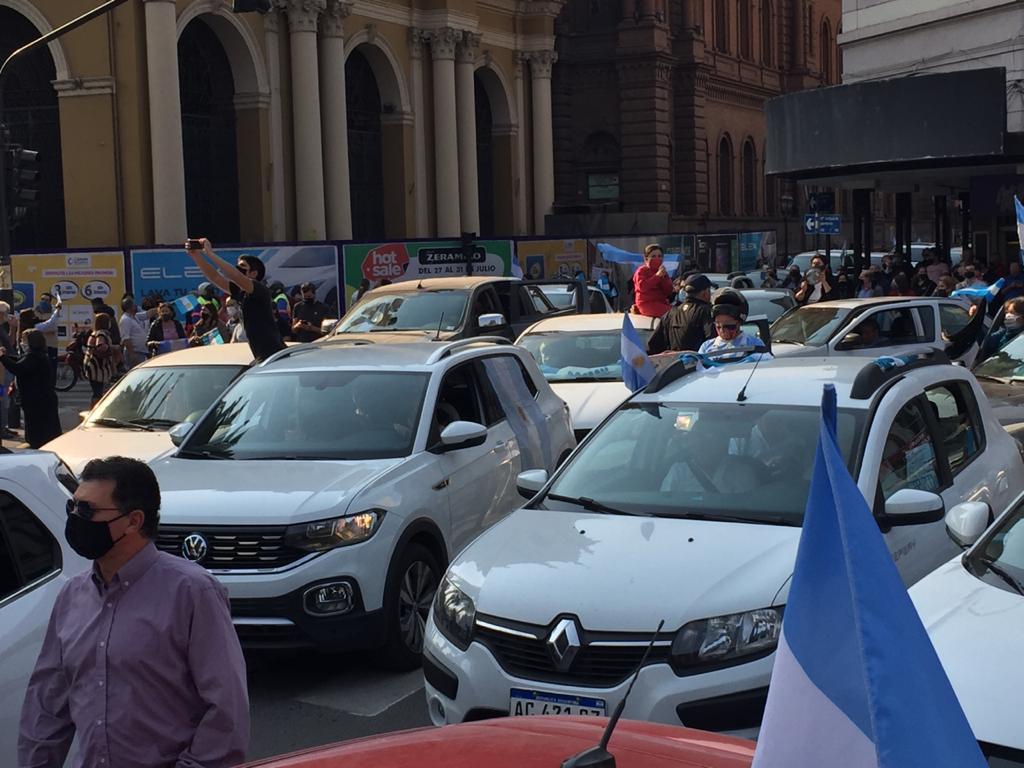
309, 300
89, 538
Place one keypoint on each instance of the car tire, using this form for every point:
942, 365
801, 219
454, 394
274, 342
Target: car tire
413, 580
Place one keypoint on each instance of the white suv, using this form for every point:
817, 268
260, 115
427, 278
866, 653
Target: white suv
35, 563
328, 487
685, 505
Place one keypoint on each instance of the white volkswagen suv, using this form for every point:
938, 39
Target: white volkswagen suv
685, 505
328, 487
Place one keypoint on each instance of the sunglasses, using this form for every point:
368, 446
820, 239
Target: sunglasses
242, 268
86, 511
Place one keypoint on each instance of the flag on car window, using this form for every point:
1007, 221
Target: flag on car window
637, 368
856, 681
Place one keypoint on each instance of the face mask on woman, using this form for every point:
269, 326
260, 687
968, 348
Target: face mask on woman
1013, 321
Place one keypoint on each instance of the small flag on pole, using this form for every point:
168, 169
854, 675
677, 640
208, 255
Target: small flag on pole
637, 368
185, 304
856, 682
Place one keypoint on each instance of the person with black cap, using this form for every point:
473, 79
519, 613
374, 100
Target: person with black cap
309, 315
729, 310
688, 325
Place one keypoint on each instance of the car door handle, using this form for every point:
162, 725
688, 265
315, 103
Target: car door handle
499, 445
440, 486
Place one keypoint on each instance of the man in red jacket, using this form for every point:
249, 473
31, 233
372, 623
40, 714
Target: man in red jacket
652, 286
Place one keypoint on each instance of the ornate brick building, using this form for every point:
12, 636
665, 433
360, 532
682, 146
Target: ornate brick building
659, 108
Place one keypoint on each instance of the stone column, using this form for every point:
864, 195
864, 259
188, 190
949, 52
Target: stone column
168, 156
278, 228
421, 213
446, 147
541, 63
310, 216
522, 218
335, 119
465, 97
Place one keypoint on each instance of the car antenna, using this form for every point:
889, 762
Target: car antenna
599, 756
437, 336
742, 396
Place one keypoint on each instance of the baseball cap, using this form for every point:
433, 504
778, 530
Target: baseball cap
697, 283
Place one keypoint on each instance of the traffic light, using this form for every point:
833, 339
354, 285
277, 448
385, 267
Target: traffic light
249, 6
21, 176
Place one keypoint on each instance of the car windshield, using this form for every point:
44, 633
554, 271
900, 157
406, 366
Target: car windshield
771, 305
160, 397
1007, 364
717, 460
410, 311
1000, 558
811, 326
578, 356
340, 414
562, 296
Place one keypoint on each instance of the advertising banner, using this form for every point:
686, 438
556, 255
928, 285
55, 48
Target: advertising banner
171, 273
756, 249
399, 261
718, 253
79, 277
552, 259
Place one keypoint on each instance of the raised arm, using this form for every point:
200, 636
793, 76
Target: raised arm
228, 272
208, 270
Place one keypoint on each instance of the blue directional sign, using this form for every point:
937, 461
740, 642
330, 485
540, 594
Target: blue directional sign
823, 223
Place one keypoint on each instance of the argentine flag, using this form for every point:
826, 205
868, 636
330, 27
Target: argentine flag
185, 304
856, 682
988, 292
1020, 225
637, 368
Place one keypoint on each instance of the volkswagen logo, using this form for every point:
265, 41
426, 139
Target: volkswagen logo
564, 643
194, 547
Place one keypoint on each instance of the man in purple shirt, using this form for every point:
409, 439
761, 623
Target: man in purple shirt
140, 659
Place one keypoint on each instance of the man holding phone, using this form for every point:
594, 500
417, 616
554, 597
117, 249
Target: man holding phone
309, 315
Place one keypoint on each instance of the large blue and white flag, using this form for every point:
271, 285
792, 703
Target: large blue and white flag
988, 292
856, 683
637, 368
1020, 225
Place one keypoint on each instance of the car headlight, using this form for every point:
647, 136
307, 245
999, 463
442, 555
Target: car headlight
321, 535
454, 614
725, 640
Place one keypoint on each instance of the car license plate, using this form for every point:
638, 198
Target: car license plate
523, 702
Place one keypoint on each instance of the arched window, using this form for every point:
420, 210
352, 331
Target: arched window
749, 178
746, 44
721, 26
767, 46
725, 178
825, 41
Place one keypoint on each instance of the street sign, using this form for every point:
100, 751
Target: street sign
823, 224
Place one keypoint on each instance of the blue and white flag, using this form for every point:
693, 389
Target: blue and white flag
856, 682
213, 337
185, 304
988, 292
637, 368
1020, 225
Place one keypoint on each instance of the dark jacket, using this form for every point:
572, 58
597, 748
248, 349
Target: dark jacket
38, 397
685, 327
156, 331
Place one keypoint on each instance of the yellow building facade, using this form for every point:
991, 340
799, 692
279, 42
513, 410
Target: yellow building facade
324, 119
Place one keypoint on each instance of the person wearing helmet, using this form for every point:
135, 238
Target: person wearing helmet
282, 308
729, 310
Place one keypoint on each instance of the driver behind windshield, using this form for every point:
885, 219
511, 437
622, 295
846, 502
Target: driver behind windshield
868, 331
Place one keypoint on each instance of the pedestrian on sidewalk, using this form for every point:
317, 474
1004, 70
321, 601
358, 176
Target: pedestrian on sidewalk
134, 328
7, 335
102, 358
164, 328
244, 282
35, 385
140, 663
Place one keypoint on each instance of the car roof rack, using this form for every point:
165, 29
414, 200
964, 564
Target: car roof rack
330, 341
452, 346
687, 364
885, 369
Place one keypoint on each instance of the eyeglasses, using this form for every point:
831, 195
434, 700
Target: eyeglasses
85, 510
726, 326
242, 268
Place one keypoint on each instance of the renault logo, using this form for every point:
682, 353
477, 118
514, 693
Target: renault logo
194, 547
564, 644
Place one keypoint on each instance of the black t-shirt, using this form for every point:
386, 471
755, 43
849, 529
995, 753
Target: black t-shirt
258, 320
312, 312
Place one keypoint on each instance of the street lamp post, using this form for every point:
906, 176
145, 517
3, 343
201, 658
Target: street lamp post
788, 210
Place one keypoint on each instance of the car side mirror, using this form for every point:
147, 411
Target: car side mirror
492, 320
462, 434
850, 341
909, 506
83, 415
328, 324
530, 482
179, 432
966, 521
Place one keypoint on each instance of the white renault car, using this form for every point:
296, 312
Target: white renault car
685, 505
134, 417
973, 609
580, 356
35, 563
329, 487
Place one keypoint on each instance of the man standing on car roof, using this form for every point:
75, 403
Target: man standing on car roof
688, 325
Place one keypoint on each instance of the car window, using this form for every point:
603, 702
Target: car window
771, 305
36, 552
517, 394
582, 356
956, 411
407, 311
926, 320
1003, 548
889, 328
953, 319
9, 581
459, 398
544, 303
812, 325
908, 459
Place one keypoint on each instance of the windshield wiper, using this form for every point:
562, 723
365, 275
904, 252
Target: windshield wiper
194, 453
1007, 578
767, 520
591, 505
154, 422
108, 421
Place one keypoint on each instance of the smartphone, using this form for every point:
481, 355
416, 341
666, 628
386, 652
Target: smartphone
192, 244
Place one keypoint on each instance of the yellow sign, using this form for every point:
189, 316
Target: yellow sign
77, 277
551, 259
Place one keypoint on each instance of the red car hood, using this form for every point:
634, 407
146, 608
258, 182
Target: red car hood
527, 742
